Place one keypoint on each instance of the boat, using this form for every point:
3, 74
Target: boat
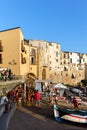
62, 114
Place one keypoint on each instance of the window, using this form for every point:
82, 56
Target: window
0, 58
32, 60
23, 59
80, 61
56, 60
66, 74
64, 55
44, 74
22, 46
73, 76
33, 51
70, 60
64, 62
65, 68
56, 54
1, 47
0, 42
80, 75
55, 73
57, 46
50, 44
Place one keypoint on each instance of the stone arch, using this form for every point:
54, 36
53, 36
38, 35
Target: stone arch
31, 77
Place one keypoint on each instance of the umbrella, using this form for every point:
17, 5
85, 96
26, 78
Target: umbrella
59, 85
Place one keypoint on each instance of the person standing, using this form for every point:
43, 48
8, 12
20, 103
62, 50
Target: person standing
51, 92
37, 99
75, 102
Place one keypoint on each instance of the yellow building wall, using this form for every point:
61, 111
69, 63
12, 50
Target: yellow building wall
11, 42
33, 69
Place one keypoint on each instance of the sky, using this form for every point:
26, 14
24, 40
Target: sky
60, 21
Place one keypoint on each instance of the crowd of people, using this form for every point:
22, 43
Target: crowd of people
19, 96
31, 96
54, 96
6, 74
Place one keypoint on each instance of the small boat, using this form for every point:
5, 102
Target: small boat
72, 115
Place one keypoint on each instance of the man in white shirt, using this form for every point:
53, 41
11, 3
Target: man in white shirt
3, 100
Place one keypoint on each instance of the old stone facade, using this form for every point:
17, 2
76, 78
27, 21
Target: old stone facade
40, 59
61, 66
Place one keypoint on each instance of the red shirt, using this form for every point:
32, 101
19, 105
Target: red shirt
37, 96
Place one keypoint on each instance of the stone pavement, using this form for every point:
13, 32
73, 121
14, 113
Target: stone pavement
31, 118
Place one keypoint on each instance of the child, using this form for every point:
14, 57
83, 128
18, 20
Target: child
37, 99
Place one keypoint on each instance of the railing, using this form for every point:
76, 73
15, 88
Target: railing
6, 86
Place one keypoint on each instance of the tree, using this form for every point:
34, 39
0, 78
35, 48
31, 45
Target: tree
84, 82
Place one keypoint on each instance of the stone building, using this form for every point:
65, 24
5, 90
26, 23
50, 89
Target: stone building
73, 67
60, 66
39, 59
14, 52
49, 59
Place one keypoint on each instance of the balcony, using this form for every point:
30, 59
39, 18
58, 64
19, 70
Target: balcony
45, 65
23, 60
1, 48
1, 61
23, 49
80, 68
32, 53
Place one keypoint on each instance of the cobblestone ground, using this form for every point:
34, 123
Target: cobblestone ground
31, 118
